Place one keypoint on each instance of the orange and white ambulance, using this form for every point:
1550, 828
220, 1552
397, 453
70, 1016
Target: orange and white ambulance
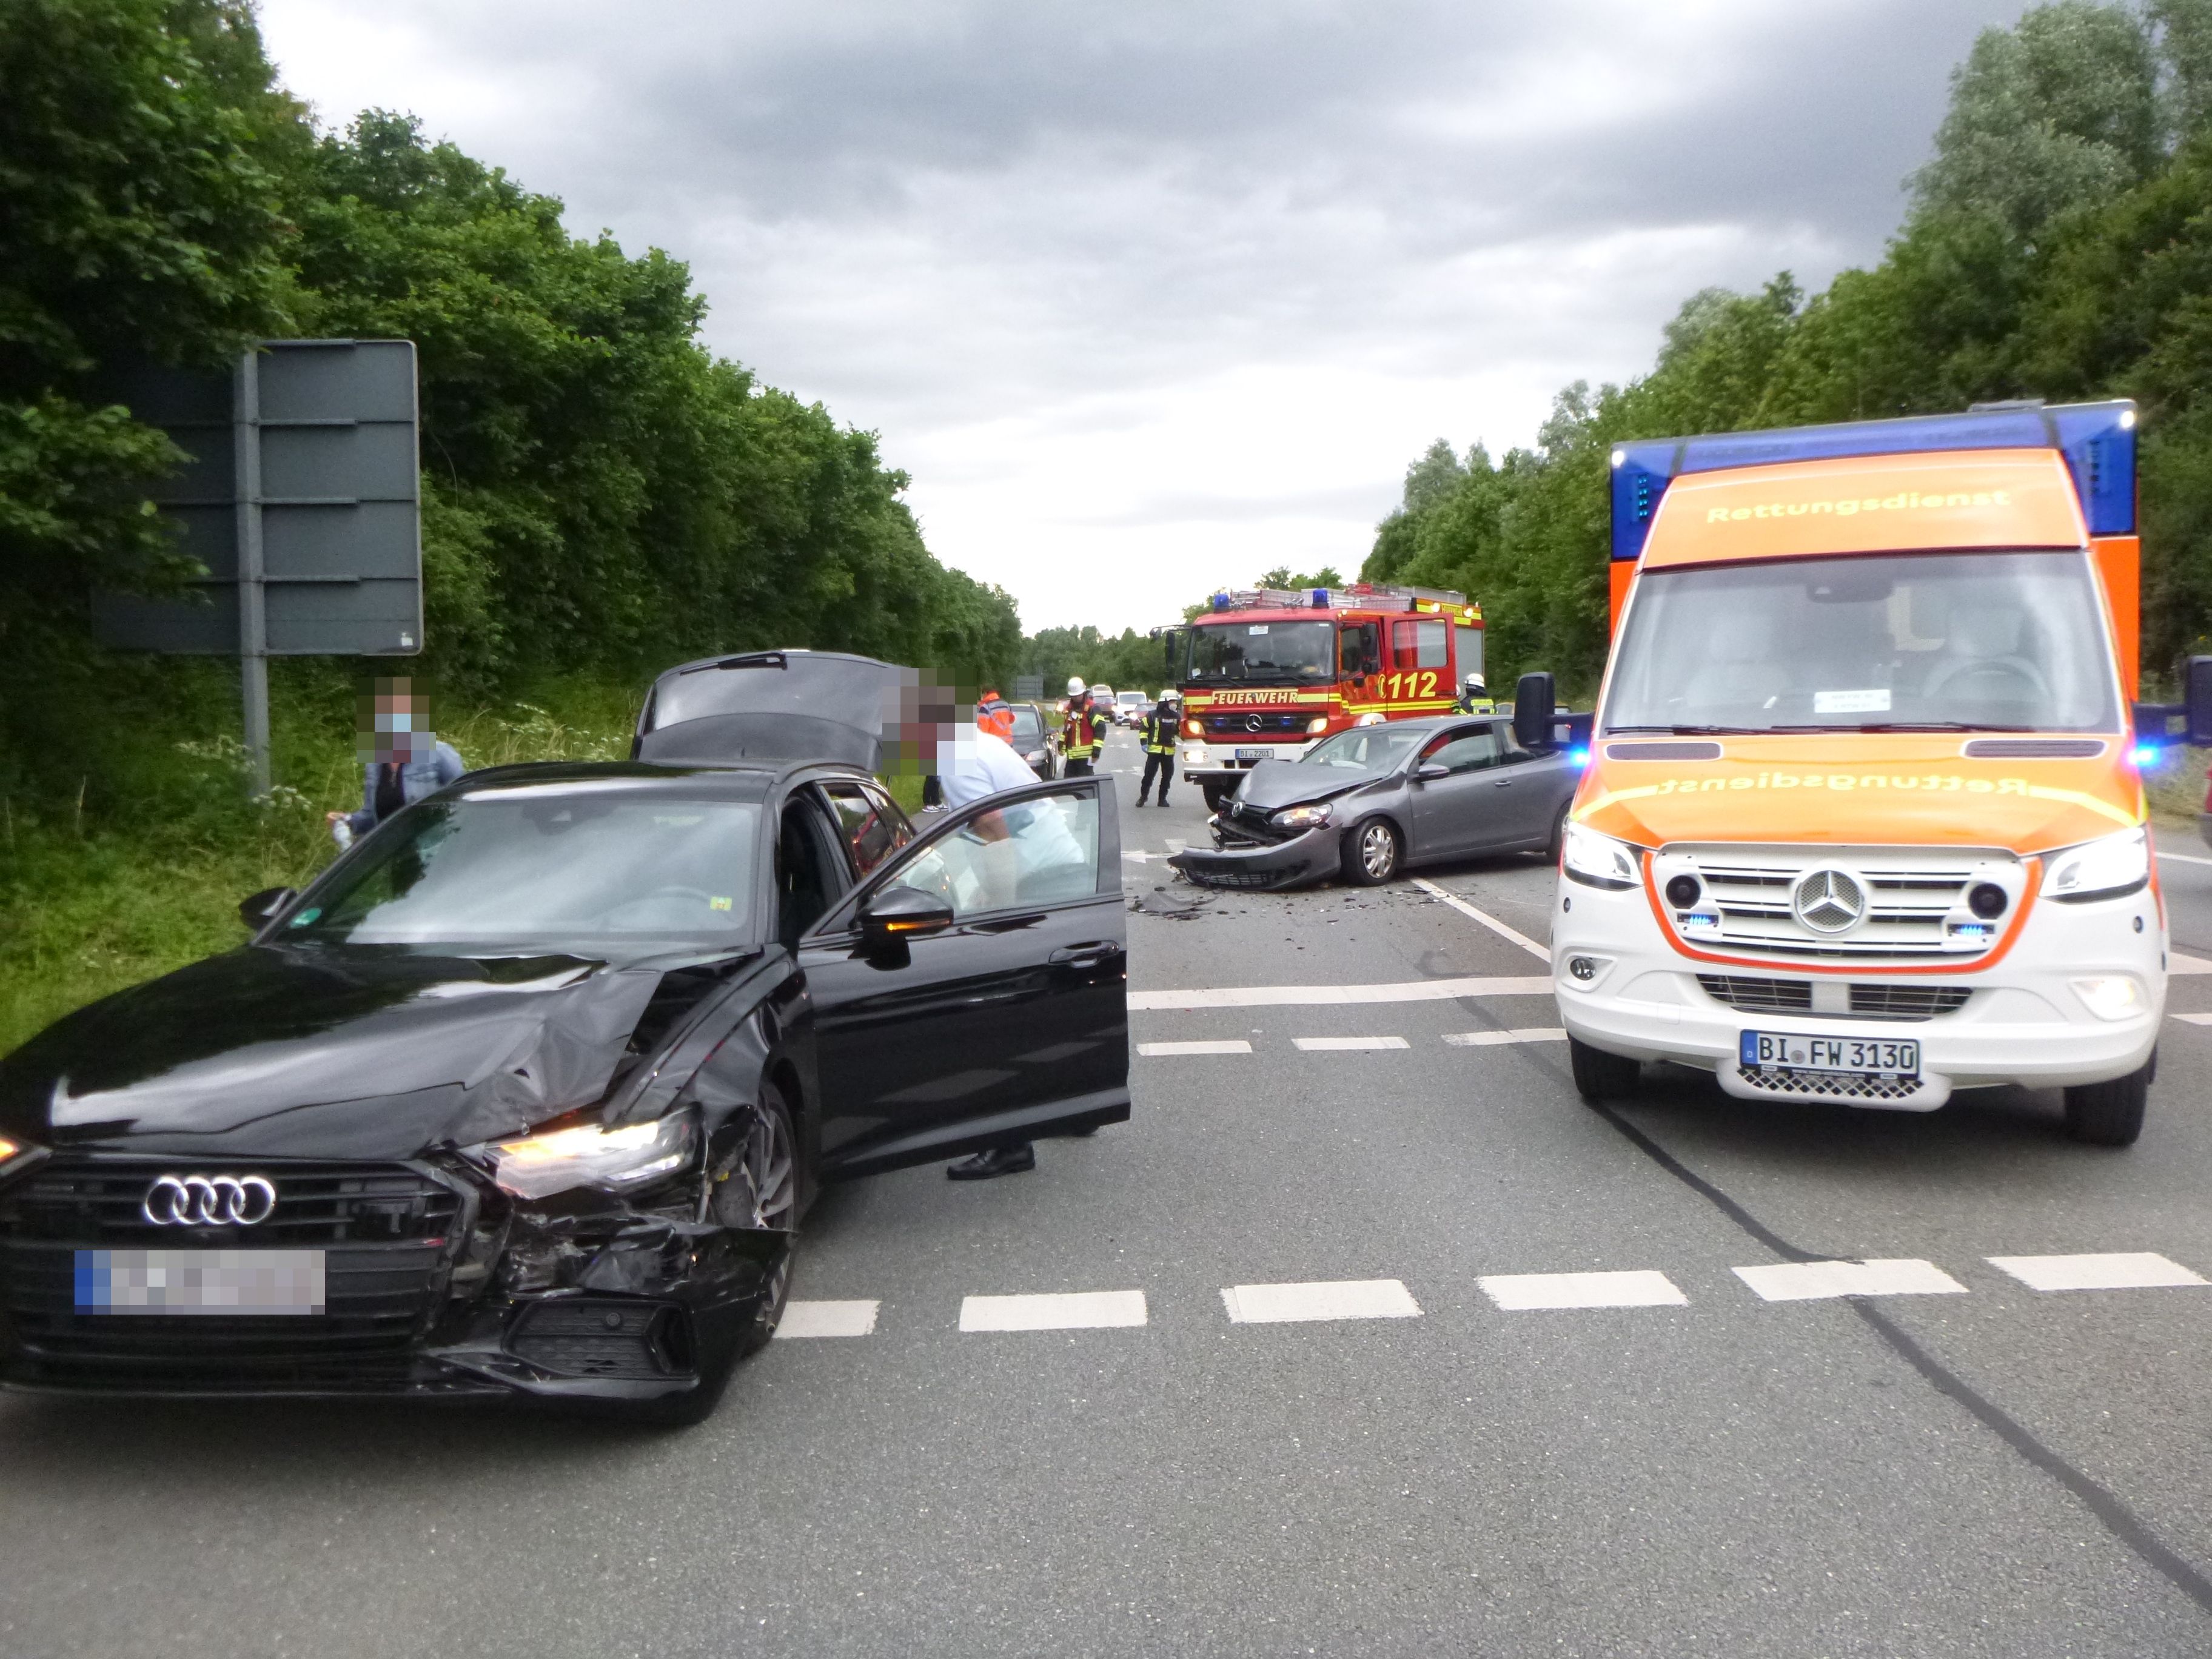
1862, 821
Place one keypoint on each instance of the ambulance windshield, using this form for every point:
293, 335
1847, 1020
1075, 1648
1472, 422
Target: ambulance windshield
1944, 641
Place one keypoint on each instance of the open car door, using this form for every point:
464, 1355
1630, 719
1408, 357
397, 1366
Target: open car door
973, 992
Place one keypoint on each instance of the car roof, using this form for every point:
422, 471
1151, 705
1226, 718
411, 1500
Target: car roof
732, 782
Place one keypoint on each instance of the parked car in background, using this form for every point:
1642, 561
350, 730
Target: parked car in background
1130, 708
1366, 803
1036, 739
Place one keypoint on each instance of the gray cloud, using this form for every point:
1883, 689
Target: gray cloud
1179, 284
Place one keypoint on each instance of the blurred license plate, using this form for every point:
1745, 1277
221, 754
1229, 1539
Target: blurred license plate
1248, 754
199, 1281
1882, 1057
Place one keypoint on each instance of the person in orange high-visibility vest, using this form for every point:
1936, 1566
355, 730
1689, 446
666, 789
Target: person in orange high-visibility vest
1085, 737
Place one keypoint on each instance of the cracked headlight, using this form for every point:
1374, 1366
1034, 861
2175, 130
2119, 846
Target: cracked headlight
1301, 817
2111, 866
1597, 860
589, 1155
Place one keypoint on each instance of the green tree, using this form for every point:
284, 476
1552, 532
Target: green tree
143, 154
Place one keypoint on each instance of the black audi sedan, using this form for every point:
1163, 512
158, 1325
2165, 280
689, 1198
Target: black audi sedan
529, 1092
1368, 802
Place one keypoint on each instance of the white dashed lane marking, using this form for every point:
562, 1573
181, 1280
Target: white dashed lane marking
1226, 1046
2124, 1271
1076, 1310
1644, 1288
1348, 1299
828, 1319
1323, 996
1486, 1039
1806, 1281
1330, 1045
2195, 1019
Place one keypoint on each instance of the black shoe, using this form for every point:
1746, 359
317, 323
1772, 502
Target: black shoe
1164, 800
999, 1160
1141, 801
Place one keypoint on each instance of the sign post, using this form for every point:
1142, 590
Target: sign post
301, 498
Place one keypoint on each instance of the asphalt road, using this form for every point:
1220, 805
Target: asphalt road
1982, 1469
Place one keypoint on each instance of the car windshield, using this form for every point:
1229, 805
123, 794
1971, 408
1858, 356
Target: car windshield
570, 863
1975, 641
1365, 749
1261, 651
1029, 727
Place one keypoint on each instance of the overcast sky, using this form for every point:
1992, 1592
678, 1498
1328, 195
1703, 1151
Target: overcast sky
1149, 298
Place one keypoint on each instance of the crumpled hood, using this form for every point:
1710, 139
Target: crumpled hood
313, 1052
1870, 789
1276, 784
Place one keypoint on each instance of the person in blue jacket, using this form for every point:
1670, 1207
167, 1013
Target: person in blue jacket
401, 758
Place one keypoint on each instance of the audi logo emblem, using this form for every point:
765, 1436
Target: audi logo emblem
1829, 902
208, 1200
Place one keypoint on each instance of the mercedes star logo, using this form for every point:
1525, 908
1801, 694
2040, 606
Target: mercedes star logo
208, 1200
1253, 722
1828, 900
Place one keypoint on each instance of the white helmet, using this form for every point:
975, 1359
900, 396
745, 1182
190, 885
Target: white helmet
1074, 685
1476, 683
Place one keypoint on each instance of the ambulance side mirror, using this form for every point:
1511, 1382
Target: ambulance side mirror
1535, 707
2196, 698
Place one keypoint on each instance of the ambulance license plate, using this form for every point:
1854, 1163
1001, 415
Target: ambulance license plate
1867, 1056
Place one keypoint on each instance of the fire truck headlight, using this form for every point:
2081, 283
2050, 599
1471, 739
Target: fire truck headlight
1597, 860
1192, 729
1301, 818
1317, 725
2111, 867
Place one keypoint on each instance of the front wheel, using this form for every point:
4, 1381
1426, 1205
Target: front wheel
1599, 1075
1557, 844
1371, 853
2110, 1113
1215, 793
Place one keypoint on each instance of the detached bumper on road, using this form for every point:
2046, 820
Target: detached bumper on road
1314, 856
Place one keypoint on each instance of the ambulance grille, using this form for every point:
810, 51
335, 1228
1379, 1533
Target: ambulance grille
1798, 901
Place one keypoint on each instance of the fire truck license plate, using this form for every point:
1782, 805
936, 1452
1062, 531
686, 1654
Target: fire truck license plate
1761, 1049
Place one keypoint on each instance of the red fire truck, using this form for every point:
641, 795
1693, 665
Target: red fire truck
1266, 674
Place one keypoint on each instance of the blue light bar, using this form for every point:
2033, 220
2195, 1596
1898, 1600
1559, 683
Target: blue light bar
2097, 440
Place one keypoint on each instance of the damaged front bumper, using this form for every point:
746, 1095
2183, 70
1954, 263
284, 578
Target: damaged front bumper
433, 1283
1314, 856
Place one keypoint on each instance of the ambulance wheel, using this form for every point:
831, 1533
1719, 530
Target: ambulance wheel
1371, 853
2110, 1113
1599, 1075
1215, 793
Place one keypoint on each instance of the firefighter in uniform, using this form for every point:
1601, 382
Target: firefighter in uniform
1474, 697
1158, 734
1085, 737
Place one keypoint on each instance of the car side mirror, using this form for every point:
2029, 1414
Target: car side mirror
2196, 698
1535, 707
257, 910
1430, 771
898, 914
